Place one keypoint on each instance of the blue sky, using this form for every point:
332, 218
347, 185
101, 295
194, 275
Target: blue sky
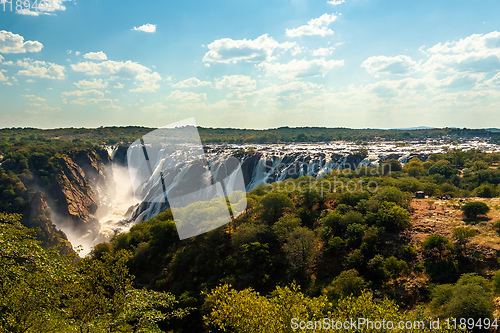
251, 64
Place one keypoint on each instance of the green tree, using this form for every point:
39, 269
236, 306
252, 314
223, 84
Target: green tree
485, 191
395, 195
439, 263
442, 168
462, 235
44, 291
345, 284
301, 249
274, 205
145, 309
247, 311
393, 217
496, 282
98, 294
470, 297
31, 278
354, 234
415, 168
437, 244
285, 225
473, 209
391, 165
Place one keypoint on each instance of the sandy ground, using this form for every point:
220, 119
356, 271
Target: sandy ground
432, 216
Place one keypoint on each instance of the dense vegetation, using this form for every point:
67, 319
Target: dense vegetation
113, 135
43, 291
303, 249
334, 244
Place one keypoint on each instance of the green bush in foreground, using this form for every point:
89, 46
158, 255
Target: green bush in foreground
229, 310
44, 291
470, 297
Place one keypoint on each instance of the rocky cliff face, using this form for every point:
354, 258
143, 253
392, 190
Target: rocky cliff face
93, 164
75, 200
70, 201
39, 219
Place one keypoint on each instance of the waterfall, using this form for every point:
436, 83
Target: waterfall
265, 164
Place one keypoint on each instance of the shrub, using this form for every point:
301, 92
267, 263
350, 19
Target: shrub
345, 284
462, 235
470, 297
442, 168
274, 205
437, 244
410, 252
393, 217
355, 259
496, 226
473, 209
284, 226
393, 194
391, 165
485, 191
354, 234
496, 282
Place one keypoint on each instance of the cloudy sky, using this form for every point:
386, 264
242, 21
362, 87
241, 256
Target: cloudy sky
250, 64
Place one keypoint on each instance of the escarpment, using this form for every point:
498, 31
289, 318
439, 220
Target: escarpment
65, 196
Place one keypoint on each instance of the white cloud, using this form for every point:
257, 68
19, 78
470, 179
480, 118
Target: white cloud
494, 81
398, 65
186, 96
50, 108
323, 51
192, 83
151, 28
41, 69
474, 54
3, 78
155, 107
34, 98
301, 68
44, 8
315, 27
80, 93
128, 70
26, 11
291, 88
274, 94
86, 97
96, 56
336, 2
227, 50
37, 107
13, 43
149, 82
94, 84
236, 82
119, 85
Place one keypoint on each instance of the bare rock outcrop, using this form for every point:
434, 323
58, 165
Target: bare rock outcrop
39, 219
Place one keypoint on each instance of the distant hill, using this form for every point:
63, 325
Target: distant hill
125, 135
415, 128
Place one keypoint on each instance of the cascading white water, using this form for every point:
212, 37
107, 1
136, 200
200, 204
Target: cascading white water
115, 212
271, 163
